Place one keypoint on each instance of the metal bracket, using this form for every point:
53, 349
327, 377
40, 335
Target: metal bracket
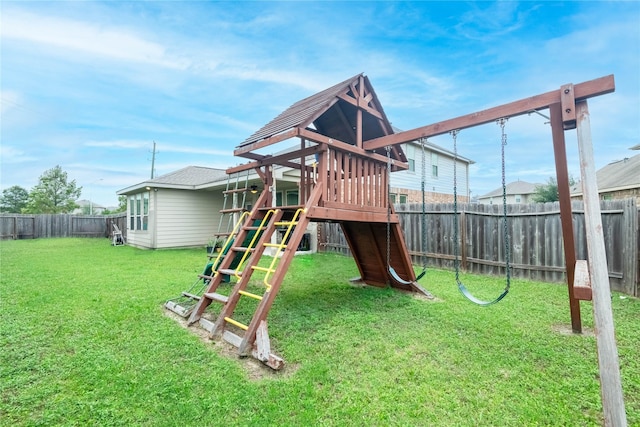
568, 103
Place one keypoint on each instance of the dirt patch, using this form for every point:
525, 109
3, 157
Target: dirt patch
359, 283
255, 369
564, 329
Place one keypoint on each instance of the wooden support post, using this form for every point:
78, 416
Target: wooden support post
610, 381
566, 216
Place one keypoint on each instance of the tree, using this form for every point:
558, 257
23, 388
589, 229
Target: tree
53, 193
13, 199
549, 191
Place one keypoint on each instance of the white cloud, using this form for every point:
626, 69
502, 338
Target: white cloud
93, 39
13, 155
162, 147
123, 144
10, 100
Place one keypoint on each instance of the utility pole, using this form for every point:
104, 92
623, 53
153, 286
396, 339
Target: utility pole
153, 159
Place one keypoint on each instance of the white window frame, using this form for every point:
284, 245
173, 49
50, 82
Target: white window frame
139, 211
434, 165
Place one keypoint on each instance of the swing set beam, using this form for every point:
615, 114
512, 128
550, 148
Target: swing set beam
581, 91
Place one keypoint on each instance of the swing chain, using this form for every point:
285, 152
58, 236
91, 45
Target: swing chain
456, 261
424, 210
507, 246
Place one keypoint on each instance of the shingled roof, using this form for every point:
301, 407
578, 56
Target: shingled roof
621, 174
329, 114
188, 178
515, 187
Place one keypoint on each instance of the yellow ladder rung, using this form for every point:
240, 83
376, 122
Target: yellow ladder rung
275, 245
235, 322
286, 223
265, 269
250, 295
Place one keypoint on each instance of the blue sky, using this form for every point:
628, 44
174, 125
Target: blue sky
90, 86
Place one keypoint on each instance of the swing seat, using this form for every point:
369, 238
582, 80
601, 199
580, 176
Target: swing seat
463, 289
400, 280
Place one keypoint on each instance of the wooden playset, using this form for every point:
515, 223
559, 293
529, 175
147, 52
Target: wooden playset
346, 152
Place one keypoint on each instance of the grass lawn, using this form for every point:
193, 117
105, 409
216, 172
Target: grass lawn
85, 341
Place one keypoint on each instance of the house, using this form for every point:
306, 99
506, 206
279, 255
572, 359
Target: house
179, 209
87, 207
182, 208
406, 185
518, 192
617, 180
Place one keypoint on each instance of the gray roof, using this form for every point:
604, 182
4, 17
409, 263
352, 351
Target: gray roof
189, 178
624, 173
516, 187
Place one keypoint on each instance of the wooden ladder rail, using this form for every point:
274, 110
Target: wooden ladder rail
227, 261
240, 287
260, 315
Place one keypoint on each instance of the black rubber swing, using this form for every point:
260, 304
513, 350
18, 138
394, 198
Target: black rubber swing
392, 271
461, 287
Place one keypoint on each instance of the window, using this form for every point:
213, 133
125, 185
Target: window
518, 198
392, 197
292, 197
411, 156
139, 211
434, 165
404, 198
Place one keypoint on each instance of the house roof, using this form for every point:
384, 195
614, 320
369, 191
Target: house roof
189, 178
618, 175
330, 114
87, 203
516, 187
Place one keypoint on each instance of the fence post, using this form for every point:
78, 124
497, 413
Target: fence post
463, 239
630, 247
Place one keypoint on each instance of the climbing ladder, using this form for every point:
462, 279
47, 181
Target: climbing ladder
230, 214
237, 185
241, 319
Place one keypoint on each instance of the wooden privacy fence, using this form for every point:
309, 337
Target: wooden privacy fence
537, 251
17, 226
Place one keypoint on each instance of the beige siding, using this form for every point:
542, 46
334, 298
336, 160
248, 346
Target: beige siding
186, 218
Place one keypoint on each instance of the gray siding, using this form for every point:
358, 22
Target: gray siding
443, 183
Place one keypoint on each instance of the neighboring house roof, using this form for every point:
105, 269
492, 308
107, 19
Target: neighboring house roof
618, 175
189, 178
87, 203
516, 187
